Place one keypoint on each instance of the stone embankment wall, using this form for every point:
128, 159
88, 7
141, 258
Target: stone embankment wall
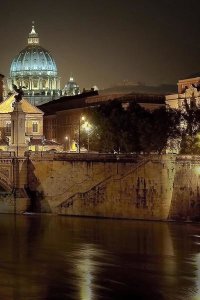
110, 186
185, 203
152, 187
13, 183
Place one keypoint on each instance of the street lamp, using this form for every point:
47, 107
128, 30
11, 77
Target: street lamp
67, 140
82, 118
87, 129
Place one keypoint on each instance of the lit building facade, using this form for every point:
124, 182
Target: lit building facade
35, 69
33, 119
32, 122
188, 93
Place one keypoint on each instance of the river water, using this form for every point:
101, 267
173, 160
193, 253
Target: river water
57, 258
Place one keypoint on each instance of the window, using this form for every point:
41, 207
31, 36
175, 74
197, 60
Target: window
8, 128
35, 126
35, 83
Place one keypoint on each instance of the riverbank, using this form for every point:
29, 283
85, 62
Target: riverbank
154, 187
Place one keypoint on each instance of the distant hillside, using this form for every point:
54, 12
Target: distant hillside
163, 89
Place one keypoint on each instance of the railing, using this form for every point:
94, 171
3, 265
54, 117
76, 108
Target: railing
81, 156
7, 154
188, 158
90, 156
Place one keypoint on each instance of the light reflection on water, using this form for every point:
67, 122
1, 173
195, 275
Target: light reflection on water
57, 258
197, 263
86, 268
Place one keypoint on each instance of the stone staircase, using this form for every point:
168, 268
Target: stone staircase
95, 194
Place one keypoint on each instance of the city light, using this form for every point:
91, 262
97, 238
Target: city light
81, 119
67, 147
87, 127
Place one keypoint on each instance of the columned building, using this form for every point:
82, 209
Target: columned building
35, 69
33, 119
187, 96
21, 124
188, 93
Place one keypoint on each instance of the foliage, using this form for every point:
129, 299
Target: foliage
190, 145
115, 129
132, 130
190, 119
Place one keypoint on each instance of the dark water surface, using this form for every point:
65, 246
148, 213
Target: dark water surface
55, 258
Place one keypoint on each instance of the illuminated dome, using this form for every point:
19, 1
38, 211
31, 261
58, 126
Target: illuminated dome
35, 69
71, 88
33, 60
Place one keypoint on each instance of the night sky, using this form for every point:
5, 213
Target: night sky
104, 42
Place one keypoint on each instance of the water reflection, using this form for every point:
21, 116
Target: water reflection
60, 258
197, 290
86, 269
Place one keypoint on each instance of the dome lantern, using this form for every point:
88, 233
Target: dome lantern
33, 38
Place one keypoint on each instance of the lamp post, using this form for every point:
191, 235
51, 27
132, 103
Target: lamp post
87, 129
82, 118
88, 142
67, 139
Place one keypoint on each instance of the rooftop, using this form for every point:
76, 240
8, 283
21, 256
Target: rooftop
7, 106
92, 99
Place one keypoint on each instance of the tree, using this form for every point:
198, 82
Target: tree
107, 120
190, 145
134, 129
190, 129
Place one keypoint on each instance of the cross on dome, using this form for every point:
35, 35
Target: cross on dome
33, 28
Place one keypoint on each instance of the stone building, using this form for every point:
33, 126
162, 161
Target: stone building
188, 92
32, 117
33, 120
36, 70
62, 117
